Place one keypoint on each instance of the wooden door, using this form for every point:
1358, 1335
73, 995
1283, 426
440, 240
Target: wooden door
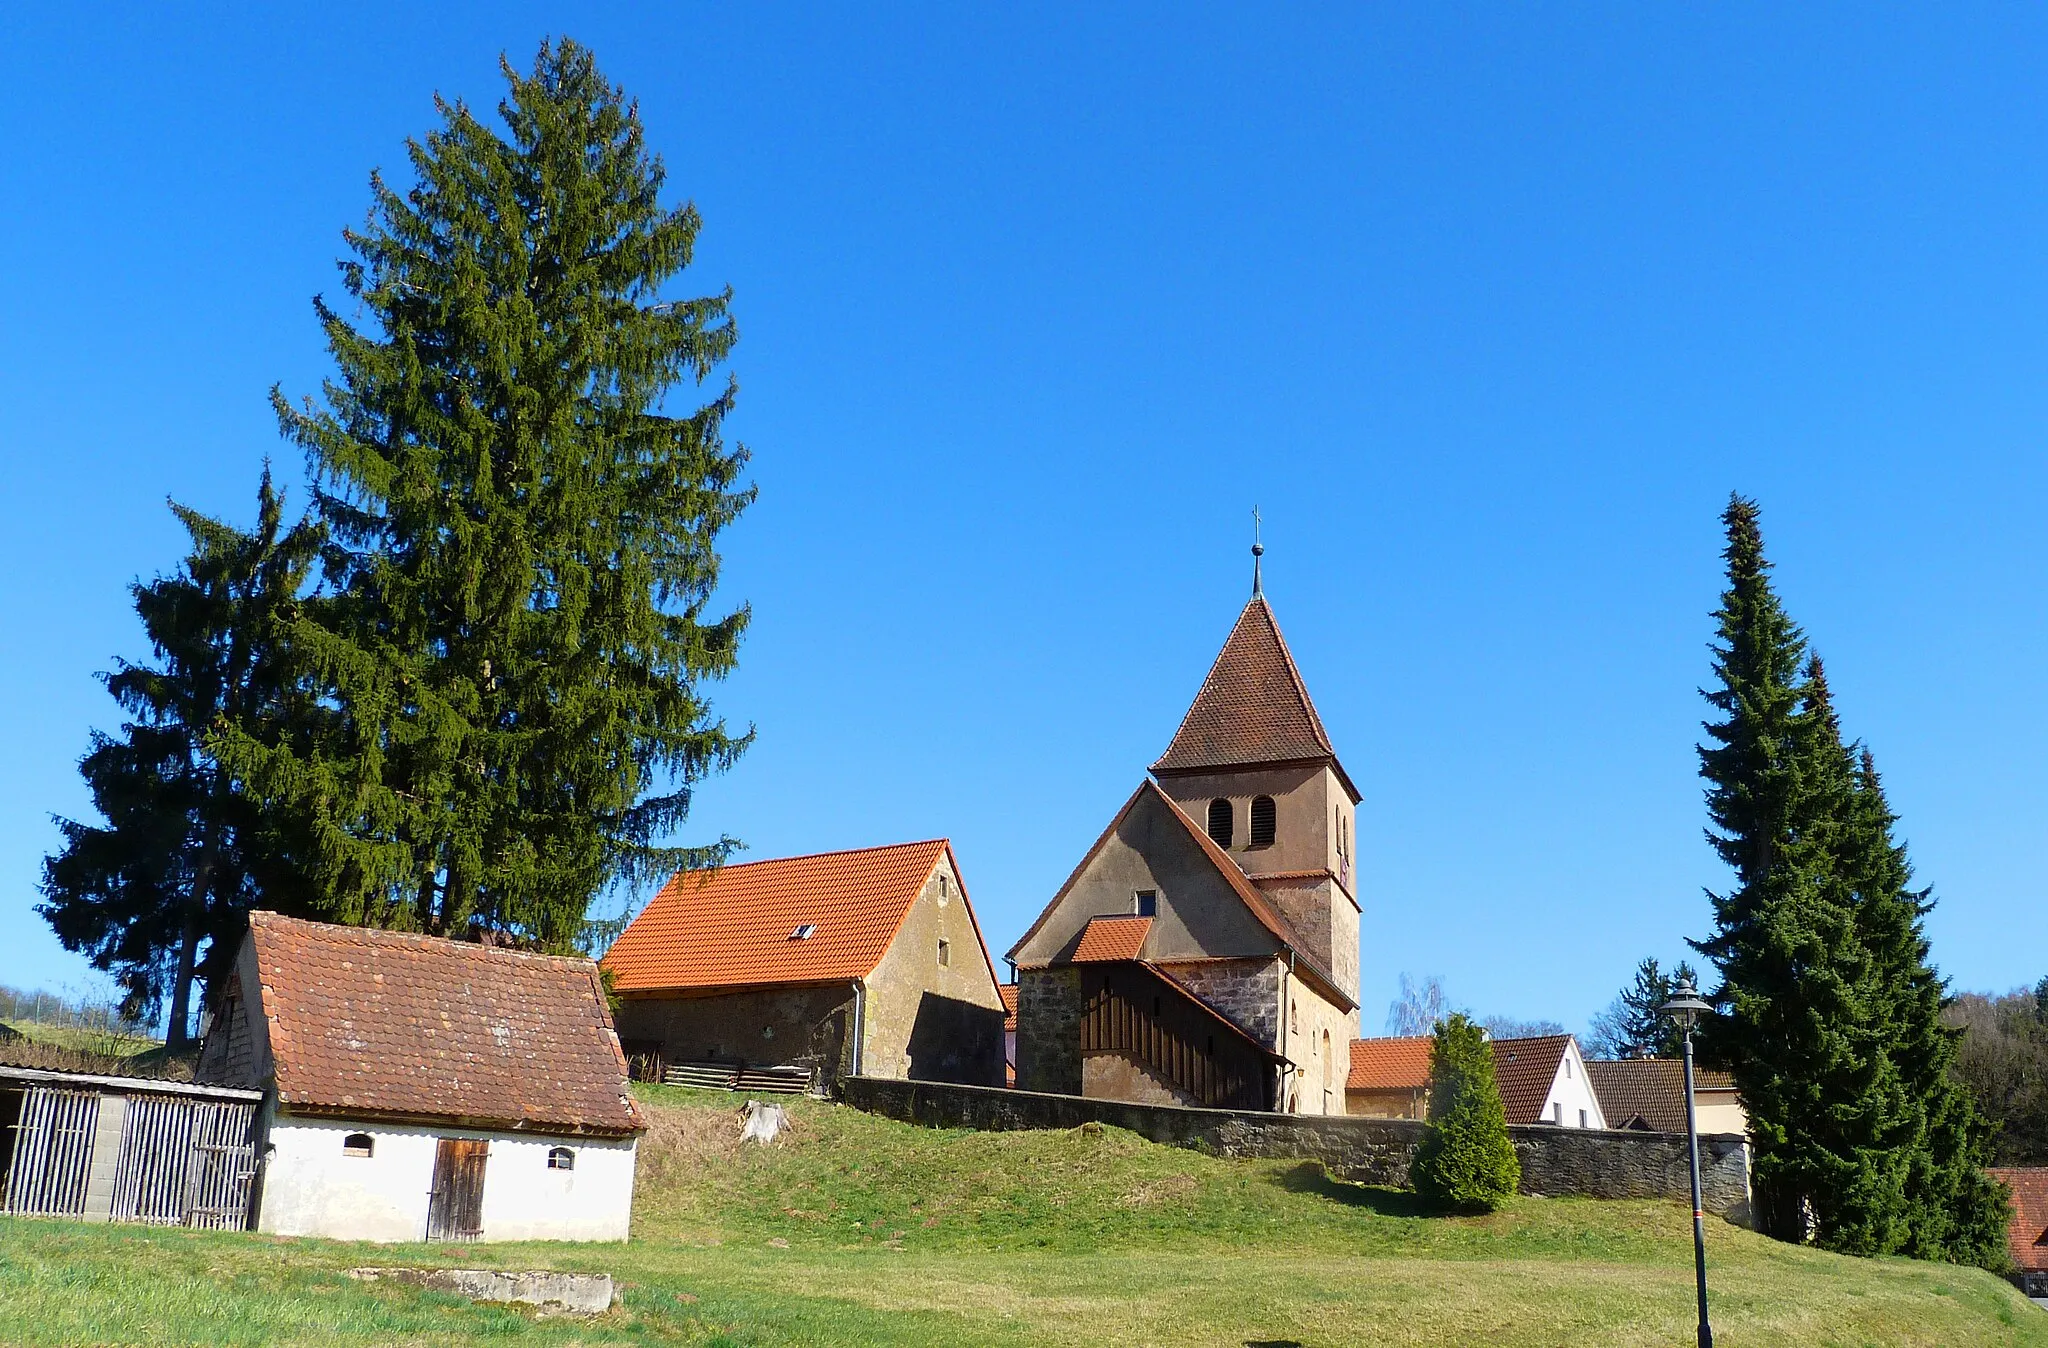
455, 1210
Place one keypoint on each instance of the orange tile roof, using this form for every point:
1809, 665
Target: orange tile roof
2027, 1234
1253, 707
734, 926
1526, 1069
1111, 938
1008, 992
1389, 1064
385, 1024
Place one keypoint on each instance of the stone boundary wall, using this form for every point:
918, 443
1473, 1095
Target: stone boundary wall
1557, 1162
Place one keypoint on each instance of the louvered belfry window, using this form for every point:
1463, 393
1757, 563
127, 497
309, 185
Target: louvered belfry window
1222, 822
1264, 820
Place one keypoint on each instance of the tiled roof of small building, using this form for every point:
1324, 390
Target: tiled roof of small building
382, 1024
2027, 1234
739, 925
1253, 707
1389, 1064
1650, 1089
1008, 992
1526, 1069
1111, 938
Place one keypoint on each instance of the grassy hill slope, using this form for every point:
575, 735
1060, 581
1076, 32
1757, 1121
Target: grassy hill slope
857, 1230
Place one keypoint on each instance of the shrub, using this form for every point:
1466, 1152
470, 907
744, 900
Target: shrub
1465, 1161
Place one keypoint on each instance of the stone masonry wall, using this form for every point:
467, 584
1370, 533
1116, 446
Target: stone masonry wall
1246, 990
1049, 1029
1556, 1162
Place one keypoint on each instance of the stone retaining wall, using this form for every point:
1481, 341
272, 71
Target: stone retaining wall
1557, 1162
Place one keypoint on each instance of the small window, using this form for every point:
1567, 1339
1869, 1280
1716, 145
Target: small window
561, 1158
1222, 821
1145, 903
945, 890
357, 1144
1557, 1112
1582, 1118
945, 953
1567, 1069
1264, 821
1212, 1045
805, 932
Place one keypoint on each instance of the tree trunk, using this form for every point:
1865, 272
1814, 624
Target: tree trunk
176, 1035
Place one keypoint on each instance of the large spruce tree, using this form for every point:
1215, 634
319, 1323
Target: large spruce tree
1831, 1026
513, 632
182, 854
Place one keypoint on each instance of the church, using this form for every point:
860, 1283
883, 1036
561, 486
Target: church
1205, 950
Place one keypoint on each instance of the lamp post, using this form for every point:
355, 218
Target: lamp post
1685, 1009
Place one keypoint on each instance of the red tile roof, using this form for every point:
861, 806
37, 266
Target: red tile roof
1008, 992
736, 926
1650, 1089
381, 1024
2028, 1232
1526, 1069
1389, 1064
1253, 707
1111, 938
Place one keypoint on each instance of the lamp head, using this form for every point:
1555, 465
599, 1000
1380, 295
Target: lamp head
1685, 1006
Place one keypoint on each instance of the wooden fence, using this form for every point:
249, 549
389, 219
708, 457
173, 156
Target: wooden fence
178, 1159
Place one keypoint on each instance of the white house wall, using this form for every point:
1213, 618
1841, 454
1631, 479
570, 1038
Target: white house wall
1571, 1093
310, 1188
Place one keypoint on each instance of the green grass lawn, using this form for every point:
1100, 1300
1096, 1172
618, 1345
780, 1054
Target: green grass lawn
858, 1230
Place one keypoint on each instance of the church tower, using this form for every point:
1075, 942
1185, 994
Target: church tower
1252, 764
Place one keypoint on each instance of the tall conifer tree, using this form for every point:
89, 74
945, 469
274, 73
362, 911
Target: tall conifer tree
1780, 934
514, 630
183, 854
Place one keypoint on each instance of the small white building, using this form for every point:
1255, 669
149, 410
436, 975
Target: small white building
423, 1089
1543, 1080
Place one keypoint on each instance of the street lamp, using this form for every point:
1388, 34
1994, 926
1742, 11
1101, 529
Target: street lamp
1685, 1009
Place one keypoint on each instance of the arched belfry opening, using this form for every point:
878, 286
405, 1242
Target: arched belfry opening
1222, 822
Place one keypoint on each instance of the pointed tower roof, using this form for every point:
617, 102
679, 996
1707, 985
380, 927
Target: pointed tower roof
1253, 709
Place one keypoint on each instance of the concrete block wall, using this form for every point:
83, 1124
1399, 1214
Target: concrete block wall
1556, 1162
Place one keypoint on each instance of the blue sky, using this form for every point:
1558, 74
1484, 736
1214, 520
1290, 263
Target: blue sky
1487, 309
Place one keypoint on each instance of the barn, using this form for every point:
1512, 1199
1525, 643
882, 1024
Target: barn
423, 1089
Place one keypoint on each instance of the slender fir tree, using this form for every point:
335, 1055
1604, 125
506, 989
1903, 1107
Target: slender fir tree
183, 854
1953, 1209
514, 630
1634, 1025
1782, 940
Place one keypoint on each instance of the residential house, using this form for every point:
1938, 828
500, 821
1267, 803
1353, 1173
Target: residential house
1205, 949
844, 963
1649, 1094
423, 1089
1389, 1078
1541, 1080
2027, 1233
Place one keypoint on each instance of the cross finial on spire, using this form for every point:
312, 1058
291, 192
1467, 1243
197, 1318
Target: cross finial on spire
1258, 551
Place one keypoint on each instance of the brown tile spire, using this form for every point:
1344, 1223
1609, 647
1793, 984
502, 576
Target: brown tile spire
1253, 707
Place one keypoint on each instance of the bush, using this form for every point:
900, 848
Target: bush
1465, 1161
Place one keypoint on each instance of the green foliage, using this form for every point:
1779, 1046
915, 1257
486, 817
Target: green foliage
2002, 1060
1633, 1025
183, 855
513, 630
1465, 1161
1833, 1028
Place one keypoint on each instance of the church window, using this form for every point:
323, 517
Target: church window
1264, 821
1222, 822
1145, 903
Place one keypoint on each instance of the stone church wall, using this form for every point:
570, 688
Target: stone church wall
1049, 1029
1556, 1162
1246, 990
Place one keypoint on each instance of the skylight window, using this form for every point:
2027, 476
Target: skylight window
805, 932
